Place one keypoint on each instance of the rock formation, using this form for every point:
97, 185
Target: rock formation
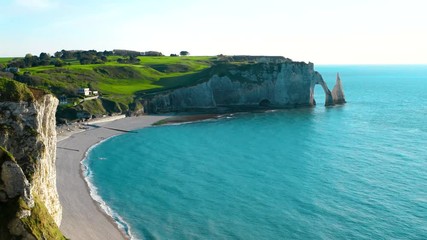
257, 82
338, 92
28, 152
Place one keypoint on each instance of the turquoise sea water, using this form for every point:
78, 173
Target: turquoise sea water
357, 171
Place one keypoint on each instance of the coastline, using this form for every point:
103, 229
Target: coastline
83, 216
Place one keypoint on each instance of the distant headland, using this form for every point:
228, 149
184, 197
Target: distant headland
93, 84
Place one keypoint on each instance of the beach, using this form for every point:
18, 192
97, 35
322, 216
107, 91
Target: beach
82, 217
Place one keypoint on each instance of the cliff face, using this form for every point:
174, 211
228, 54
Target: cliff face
27, 132
275, 83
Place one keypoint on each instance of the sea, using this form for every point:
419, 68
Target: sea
354, 171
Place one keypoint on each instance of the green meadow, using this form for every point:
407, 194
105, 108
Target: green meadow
117, 80
4, 60
122, 85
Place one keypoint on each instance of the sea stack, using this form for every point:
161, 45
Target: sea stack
338, 92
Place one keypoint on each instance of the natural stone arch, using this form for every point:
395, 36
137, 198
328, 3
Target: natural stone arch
328, 95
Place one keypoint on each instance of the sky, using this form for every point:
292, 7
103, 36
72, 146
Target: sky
322, 32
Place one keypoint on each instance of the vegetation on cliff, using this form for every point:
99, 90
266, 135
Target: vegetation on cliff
114, 80
117, 79
11, 90
15, 214
124, 77
40, 223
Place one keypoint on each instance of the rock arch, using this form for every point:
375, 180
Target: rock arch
331, 98
328, 95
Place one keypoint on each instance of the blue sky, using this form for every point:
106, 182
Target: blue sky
323, 32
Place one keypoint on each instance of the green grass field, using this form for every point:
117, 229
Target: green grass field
120, 81
123, 86
5, 60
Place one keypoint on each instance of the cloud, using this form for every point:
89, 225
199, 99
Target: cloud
35, 4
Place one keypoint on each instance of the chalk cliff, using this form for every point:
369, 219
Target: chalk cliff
254, 82
28, 174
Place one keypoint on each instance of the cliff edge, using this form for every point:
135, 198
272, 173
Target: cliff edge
29, 202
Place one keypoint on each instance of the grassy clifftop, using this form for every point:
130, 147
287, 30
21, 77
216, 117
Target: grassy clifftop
119, 84
115, 80
11, 90
127, 82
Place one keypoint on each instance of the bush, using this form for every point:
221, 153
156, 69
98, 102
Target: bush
58, 63
184, 53
11, 90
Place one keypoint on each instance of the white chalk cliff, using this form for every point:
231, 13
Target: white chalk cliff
263, 83
27, 132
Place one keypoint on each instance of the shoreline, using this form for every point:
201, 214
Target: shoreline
82, 206
86, 207
97, 199
83, 216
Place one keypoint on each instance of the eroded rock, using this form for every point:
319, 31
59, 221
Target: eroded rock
338, 91
29, 134
280, 82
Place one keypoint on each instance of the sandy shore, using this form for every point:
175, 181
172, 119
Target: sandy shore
82, 217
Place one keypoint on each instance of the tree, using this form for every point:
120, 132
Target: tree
153, 53
16, 62
133, 59
44, 59
184, 53
30, 60
67, 54
108, 53
58, 62
58, 54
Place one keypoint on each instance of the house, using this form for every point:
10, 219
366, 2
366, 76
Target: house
12, 70
63, 100
84, 91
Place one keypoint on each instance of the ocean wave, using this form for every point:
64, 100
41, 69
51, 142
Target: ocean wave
93, 190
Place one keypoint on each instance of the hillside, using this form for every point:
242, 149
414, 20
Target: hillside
118, 84
113, 79
125, 84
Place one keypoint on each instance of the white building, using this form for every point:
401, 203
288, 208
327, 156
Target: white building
84, 91
63, 100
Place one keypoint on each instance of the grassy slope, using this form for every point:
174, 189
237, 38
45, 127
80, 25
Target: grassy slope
120, 81
11, 90
41, 223
5, 60
126, 84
